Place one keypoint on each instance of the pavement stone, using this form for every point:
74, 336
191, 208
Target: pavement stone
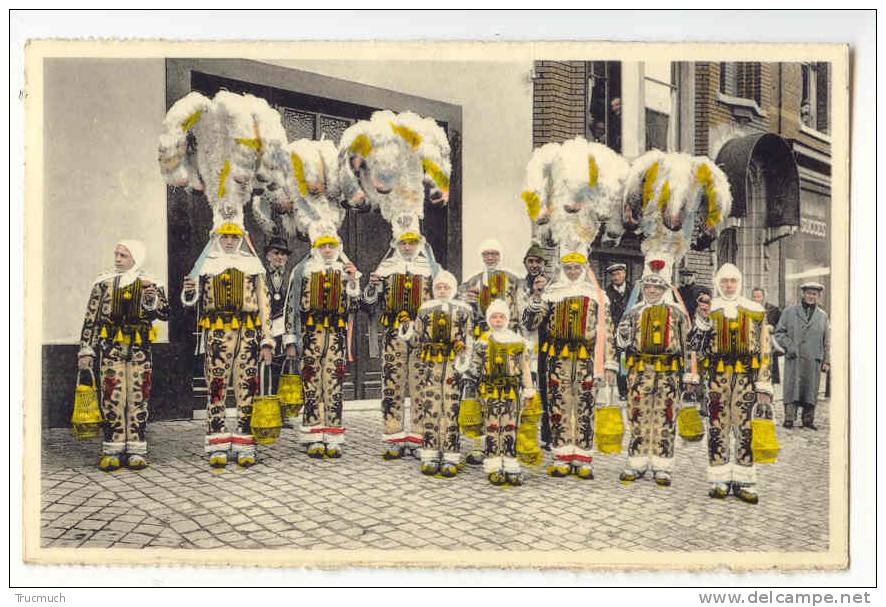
362, 501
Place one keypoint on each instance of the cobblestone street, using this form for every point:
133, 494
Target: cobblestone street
361, 501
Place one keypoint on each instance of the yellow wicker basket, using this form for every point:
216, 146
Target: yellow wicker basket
86, 420
528, 450
291, 391
764, 443
608, 429
470, 418
266, 419
689, 424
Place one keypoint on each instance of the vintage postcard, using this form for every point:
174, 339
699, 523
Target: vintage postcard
539, 305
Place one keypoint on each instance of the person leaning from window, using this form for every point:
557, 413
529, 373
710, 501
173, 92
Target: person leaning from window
118, 327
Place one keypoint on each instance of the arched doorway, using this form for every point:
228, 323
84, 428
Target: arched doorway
765, 185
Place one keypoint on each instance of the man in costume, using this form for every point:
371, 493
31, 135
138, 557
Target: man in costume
579, 346
733, 342
228, 282
494, 282
653, 335
323, 291
398, 287
440, 334
618, 292
803, 336
499, 374
118, 327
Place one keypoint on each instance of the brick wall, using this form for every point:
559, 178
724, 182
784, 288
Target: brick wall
792, 92
559, 98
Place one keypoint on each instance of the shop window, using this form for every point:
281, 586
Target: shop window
604, 103
662, 95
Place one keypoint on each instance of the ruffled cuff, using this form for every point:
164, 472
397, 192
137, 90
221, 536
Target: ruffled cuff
288, 338
691, 378
86, 351
528, 392
611, 366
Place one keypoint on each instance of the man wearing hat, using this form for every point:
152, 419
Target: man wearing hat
688, 291
653, 335
399, 286
618, 293
277, 254
803, 336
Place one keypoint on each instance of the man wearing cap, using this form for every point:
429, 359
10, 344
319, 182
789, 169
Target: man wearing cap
533, 285
617, 292
235, 314
688, 290
398, 287
653, 335
118, 326
323, 290
494, 282
803, 336
580, 353
733, 343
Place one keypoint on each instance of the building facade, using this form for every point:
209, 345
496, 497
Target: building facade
765, 124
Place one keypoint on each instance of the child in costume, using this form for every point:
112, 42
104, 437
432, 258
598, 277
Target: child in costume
494, 282
440, 334
499, 374
118, 327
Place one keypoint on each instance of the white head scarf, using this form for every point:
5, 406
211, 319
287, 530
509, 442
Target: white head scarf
447, 278
491, 244
504, 335
139, 255
730, 304
217, 260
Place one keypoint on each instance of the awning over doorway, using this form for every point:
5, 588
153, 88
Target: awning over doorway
776, 157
